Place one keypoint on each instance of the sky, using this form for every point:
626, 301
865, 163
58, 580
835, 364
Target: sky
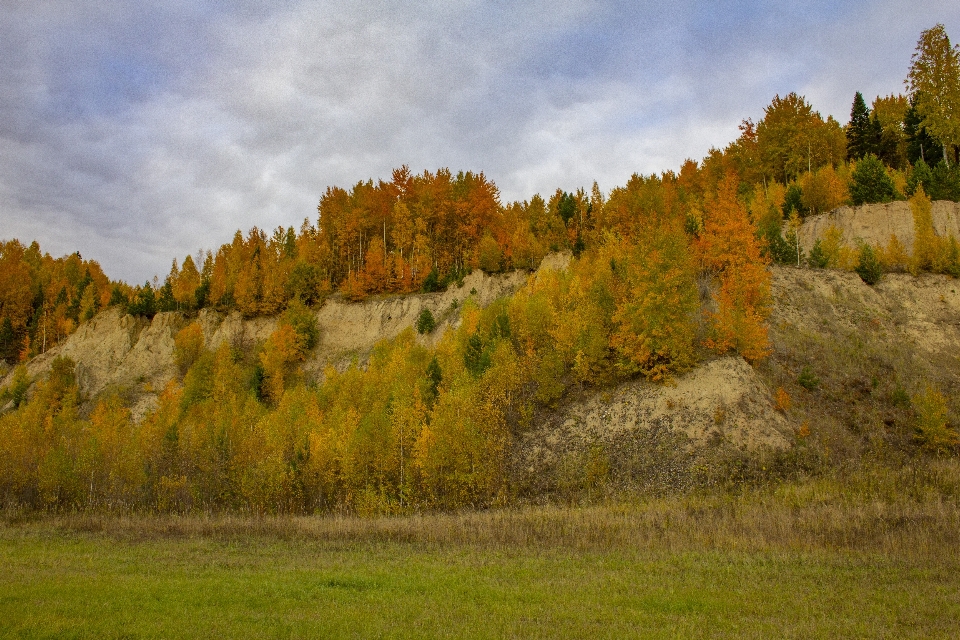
137, 132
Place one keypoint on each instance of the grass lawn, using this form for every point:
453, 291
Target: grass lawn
63, 582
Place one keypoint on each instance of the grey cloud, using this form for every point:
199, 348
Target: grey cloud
140, 135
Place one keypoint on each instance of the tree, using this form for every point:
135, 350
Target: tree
143, 302
934, 83
920, 144
425, 322
890, 113
871, 182
859, 142
793, 138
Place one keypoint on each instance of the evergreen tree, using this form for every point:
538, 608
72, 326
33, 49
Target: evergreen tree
859, 131
144, 302
118, 297
8, 341
871, 182
793, 201
920, 144
166, 301
775, 246
425, 322
945, 182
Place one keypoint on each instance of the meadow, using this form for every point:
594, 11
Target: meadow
866, 553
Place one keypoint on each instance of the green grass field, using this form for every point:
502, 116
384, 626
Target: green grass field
793, 563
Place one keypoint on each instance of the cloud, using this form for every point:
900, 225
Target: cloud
137, 133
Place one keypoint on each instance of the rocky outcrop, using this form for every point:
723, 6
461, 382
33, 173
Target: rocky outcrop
721, 400
875, 223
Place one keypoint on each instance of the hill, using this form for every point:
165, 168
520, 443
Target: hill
847, 364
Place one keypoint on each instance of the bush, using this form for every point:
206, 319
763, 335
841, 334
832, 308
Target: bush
807, 379
933, 432
818, 259
19, 386
868, 268
425, 322
187, 346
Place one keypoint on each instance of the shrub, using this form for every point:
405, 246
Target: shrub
425, 322
807, 379
868, 268
933, 432
818, 259
782, 400
19, 386
187, 346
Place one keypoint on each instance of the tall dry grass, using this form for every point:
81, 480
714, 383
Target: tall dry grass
913, 511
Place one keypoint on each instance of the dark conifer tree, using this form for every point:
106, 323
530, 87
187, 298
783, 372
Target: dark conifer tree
920, 144
859, 131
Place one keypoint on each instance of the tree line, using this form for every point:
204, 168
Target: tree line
668, 268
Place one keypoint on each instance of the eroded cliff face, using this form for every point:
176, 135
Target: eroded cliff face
875, 223
136, 356
723, 401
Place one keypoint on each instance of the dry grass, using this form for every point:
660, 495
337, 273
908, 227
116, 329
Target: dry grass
913, 511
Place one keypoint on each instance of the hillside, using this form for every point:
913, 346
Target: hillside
135, 356
869, 349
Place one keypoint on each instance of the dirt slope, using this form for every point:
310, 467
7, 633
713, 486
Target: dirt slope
862, 341
874, 223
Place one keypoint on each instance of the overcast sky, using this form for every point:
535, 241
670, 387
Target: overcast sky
137, 133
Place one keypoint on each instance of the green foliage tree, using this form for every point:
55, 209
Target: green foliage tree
19, 386
165, 298
432, 282
871, 183
945, 182
920, 145
425, 322
793, 201
859, 131
305, 282
920, 176
774, 244
143, 302
818, 259
304, 322
9, 344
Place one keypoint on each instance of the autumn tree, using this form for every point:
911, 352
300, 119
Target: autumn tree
934, 84
793, 138
730, 252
